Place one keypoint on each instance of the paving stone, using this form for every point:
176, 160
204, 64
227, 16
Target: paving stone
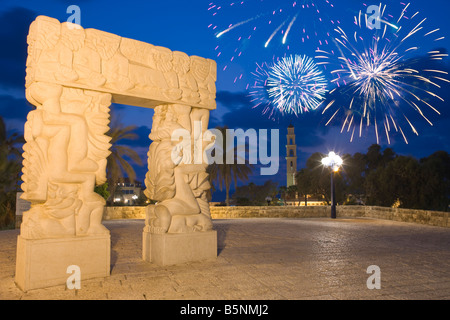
268, 259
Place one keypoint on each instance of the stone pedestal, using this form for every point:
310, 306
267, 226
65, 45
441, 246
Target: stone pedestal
43, 263
170, 248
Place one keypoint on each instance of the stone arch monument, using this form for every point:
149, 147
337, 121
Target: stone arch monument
73, 76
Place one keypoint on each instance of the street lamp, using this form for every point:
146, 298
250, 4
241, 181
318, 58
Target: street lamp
333, 161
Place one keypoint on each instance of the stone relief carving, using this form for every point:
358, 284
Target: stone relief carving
88, 64
60, 53
64, 158
186, 81
73, 75
204, 72
180, 189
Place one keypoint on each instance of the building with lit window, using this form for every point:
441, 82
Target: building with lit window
127, 193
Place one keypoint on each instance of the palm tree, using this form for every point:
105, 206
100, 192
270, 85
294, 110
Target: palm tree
224, 174
117, 166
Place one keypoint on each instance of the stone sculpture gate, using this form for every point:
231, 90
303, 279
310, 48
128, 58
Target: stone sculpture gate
73, 76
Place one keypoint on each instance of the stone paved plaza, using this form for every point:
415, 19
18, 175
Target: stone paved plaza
268, 259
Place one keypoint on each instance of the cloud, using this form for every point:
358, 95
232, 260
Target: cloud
233, 98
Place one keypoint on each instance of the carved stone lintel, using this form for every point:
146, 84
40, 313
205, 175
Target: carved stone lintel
134, 72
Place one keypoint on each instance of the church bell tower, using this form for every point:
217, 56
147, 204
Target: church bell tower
291, 157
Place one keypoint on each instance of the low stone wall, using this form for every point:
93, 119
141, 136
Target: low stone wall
112, 213
433, 218
269, 212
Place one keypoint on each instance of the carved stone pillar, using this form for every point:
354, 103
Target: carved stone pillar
178, 228
64, 158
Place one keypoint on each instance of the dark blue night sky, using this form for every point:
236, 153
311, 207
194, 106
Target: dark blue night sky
188, 26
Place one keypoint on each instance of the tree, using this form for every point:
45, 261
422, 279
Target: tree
255, 195
354, 169
376, 159
304, 183
315, 180
10, 168
225, 174
103, 190
270, 189
403, 180
396, 181
434, 191
292, 192
383, 178
283, 193
117, 164
319, 176
373, 157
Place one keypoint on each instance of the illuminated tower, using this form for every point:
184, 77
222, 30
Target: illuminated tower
291, 157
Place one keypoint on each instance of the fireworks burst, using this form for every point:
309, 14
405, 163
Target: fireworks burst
293, 85
380, 79
286, 23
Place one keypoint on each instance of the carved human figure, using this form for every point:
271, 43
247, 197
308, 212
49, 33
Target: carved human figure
72, 40
97, 116
116, 71
114, 66
54, 57
178, 210
200, 184
59, 176
87, 63
186, 81
161, 61
140, 74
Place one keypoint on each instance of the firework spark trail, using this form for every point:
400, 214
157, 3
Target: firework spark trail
293, 85
289, 28
292, 22
292, 12
235, 26
378, 78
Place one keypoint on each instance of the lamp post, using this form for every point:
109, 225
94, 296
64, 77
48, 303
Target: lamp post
333, 161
